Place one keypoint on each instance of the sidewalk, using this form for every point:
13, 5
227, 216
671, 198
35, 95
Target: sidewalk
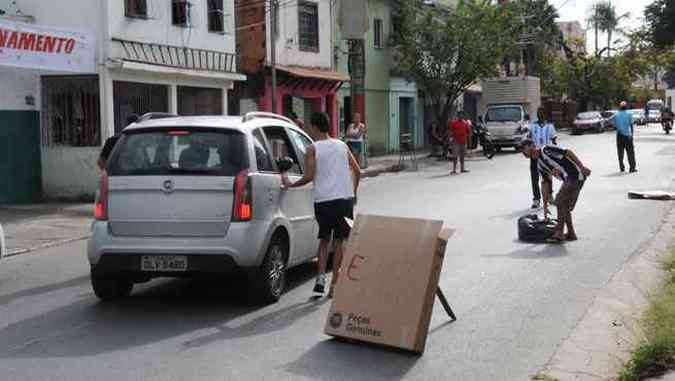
390, 163
35, 226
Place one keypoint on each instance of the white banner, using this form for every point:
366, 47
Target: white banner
48, 48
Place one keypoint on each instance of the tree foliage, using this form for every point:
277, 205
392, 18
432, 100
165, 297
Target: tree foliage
537, 30
660, 22
447, 50
605, 19
596, 81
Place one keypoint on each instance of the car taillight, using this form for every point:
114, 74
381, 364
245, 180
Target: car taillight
101, 212
242, 209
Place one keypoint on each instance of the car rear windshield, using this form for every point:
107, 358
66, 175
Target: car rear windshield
588, 115
178, 151
503, 114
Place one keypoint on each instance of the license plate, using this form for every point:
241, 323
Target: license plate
164, 263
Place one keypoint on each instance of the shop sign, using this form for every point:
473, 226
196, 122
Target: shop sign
47, 48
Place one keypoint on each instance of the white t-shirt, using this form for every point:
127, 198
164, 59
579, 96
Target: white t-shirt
542, 135
333, 177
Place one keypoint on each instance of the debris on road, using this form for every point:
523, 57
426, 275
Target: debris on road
652, 195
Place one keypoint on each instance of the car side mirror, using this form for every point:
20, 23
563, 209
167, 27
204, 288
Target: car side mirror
285, 164
527, 117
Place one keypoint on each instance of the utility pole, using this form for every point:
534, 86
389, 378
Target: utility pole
274, 9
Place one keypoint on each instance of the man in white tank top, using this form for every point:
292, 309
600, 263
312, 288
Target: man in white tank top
330, 166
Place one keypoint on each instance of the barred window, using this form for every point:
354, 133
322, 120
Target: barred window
377, 33
180, 12
136, 8
308, 23
71, 111
216, 15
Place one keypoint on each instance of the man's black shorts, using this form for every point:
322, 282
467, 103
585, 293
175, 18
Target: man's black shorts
331, 218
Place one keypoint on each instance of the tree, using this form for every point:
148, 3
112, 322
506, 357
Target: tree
537, 30
604, 18
660, 22
447, 50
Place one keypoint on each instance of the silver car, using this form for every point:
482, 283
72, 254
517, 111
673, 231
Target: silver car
201, 197
588, 121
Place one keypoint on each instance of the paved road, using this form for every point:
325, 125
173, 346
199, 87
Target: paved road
515, 302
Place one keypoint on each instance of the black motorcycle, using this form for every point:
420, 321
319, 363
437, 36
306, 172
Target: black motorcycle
485, 140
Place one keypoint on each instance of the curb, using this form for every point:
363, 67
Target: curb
379, 171
47, 245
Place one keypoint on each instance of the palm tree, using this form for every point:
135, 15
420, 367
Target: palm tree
605, 19
594, 22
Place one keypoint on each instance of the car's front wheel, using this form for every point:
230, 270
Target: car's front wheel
270, 279
109, 289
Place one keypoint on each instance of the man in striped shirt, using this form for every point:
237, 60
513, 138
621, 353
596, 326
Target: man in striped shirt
565, 166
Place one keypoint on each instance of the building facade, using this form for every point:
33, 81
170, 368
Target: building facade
392, 104
149, 56
303, 35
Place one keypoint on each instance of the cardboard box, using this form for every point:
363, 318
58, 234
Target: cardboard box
390, 271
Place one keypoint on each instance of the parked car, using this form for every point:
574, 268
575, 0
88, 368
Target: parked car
638, 117
610, 122
201, 197
588, 121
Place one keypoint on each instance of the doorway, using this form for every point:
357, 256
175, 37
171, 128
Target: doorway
406, 123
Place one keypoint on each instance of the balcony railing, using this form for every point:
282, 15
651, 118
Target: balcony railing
177, 56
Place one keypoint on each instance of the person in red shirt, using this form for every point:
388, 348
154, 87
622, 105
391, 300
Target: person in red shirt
460, 130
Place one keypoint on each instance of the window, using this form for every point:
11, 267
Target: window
308, 24
282, 147
71, 111
377, 30
199, 101
262, 154
180, 12
302, 144
137, 98
136, 8
188, 151
215, 10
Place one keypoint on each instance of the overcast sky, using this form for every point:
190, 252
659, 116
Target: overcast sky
578, 10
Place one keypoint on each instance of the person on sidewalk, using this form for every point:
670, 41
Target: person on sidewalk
460, 131
624, 137
542, 132
356, 133
336, 174
565, 166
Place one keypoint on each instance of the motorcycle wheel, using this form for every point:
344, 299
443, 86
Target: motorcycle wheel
489, 151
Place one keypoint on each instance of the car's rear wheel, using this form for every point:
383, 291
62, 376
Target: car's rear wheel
110, 289
270, 279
